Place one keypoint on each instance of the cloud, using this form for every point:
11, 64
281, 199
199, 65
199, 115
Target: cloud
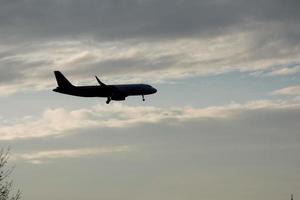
133, 40
123, 62
286, 71
283, 69
114, 20
288, 91
41, 157
61, 122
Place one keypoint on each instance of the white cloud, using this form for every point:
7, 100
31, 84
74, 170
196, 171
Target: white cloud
288, 91
59, 121
40, 157
285, 71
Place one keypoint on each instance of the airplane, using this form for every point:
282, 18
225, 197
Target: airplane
111, 92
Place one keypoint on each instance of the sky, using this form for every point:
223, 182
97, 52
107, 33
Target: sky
223, 125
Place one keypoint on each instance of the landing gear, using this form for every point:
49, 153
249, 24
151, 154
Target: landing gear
108, 100
143, 97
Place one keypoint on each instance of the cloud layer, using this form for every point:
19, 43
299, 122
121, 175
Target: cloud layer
46, 156
60, 122
140, 18
288, 91
137, 39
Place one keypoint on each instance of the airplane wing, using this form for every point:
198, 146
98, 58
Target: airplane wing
115, 93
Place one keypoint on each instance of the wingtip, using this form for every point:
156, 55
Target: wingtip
100, 82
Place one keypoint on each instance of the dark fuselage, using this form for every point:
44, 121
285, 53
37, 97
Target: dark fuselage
114, 91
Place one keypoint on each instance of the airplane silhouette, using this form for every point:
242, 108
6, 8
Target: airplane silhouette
111, 92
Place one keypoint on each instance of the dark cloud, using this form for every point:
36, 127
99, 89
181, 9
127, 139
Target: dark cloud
119, 19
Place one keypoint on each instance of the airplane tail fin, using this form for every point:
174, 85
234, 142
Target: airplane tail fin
61, 80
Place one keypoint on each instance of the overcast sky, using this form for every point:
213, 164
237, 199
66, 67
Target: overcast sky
223, 125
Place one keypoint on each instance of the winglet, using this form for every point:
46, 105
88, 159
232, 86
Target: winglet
100, 83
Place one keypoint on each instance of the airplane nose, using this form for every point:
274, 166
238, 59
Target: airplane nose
154, 90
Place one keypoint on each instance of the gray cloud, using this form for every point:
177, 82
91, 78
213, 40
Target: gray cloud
139, 18
168, 38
